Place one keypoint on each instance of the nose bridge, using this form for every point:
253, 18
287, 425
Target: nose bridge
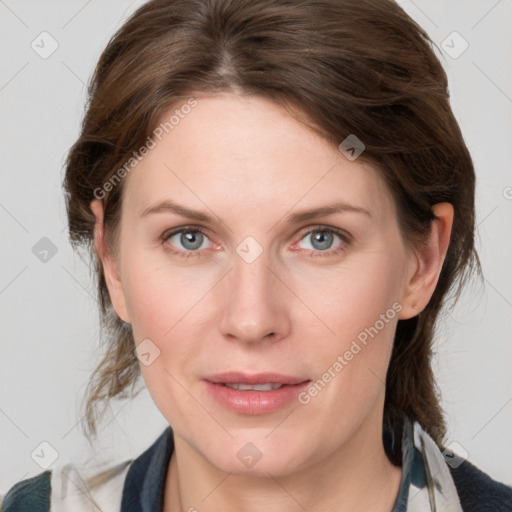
253, 308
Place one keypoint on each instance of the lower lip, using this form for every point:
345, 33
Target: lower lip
254, 402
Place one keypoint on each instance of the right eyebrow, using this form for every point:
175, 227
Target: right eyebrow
170, 206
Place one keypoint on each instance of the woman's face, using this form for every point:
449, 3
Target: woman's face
251, 289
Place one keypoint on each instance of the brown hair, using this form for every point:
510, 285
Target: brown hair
360, 67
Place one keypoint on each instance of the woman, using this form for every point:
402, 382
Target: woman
278, 201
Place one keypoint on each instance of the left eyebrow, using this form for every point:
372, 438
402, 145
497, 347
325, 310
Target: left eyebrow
322, 211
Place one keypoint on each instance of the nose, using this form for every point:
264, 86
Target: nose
254, 305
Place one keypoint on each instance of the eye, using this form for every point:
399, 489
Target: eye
189, 241
186, 240
321, 239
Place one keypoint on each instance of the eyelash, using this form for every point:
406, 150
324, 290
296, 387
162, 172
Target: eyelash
345, 239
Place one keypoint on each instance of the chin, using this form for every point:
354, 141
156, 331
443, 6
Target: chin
257, 457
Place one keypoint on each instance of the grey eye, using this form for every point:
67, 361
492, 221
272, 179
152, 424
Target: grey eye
189, 240
321, 239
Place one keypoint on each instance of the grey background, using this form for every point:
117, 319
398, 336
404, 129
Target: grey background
49, 320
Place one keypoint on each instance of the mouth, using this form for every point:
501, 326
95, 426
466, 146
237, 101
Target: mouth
254, 394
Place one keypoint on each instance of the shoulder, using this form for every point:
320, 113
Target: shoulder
92, 486
70, 487
31, 494
478, 492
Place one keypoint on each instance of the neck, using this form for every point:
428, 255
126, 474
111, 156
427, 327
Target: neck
357, 477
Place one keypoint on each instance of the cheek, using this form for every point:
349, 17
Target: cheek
350, 298
164, 304
356, 315
160, 296
167, 304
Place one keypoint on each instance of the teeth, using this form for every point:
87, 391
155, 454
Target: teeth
253, 387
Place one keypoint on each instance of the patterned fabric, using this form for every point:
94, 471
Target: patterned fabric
429, 484
137, 485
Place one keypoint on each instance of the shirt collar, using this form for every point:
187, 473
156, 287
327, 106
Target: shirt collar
144, 485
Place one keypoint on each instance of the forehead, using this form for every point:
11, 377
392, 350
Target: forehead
248, 153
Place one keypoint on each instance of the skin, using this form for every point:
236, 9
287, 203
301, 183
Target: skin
247, 162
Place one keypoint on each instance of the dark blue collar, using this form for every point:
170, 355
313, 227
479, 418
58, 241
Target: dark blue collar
144, 484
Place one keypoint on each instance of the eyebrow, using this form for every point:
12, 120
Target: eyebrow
167, 206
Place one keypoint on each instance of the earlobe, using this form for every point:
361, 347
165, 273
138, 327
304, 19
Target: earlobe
110, 270
426, 262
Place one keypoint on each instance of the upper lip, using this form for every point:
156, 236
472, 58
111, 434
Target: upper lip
254, 378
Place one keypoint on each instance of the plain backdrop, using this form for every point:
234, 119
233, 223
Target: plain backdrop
48, 309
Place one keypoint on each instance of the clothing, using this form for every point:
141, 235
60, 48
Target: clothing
428, 484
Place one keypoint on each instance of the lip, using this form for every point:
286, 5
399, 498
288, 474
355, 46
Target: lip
255, 378
254, 402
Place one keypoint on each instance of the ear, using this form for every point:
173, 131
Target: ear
425, 263
110, 266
